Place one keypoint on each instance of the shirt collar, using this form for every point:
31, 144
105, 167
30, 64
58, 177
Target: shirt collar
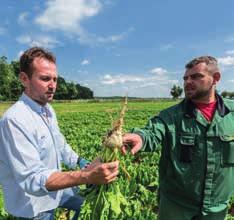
34, 105
190, 107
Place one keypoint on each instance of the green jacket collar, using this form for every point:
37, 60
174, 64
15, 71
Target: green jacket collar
190, 108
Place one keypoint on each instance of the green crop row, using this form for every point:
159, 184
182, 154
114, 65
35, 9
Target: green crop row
84, 125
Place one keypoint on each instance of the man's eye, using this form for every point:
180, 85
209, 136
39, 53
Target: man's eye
196, 76
45, 79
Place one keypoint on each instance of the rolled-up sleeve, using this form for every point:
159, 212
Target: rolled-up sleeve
22, 156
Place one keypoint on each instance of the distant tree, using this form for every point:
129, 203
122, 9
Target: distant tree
61, 91
16, 67
84, 92
231, 95
72, 91
225, 94
7, 77
11, 87
16, 85
176, 91
16, 88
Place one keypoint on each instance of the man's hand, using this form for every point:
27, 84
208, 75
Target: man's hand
133, 141
100, 173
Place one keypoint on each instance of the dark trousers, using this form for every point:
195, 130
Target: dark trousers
70, 200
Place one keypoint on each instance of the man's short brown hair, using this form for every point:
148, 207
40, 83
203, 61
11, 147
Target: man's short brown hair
29, 55
211, 62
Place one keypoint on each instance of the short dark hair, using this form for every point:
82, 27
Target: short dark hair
211, 62
29, 55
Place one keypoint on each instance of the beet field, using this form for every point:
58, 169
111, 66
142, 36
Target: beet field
85, 123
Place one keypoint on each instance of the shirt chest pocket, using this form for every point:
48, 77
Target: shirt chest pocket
227, 145
44, 142
187, 142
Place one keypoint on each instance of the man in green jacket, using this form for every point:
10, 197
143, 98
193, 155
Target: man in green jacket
196, 136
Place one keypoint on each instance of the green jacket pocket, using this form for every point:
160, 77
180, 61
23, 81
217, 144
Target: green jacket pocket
227, 150
186, 148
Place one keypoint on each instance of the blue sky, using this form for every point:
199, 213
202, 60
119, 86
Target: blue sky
118, 47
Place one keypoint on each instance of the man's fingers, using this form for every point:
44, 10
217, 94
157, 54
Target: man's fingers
107, 172
123, 150
136, 148
127, 138
112, 166
112, 176
113, 179
132, 141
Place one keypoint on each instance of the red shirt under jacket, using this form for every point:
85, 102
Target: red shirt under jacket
207, 109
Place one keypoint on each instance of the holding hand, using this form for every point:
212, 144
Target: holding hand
134, 141
100, 173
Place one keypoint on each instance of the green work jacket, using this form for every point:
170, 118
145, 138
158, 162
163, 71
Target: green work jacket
196, 168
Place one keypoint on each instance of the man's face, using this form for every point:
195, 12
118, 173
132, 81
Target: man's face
42, 85
199, 83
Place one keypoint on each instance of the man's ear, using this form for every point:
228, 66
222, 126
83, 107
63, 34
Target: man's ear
216, 77
24, 79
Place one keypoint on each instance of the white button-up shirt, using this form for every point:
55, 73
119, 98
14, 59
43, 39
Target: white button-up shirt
31, 149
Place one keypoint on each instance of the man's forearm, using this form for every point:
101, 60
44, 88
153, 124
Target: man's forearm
61, 180
96, 173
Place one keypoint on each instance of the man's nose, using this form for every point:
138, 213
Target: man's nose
53, 84
187, 80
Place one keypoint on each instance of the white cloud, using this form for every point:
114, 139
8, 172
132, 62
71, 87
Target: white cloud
115, 38
226, 61
43, 41
107, 77
2, 30
22, 19
90, 39
138, 85
85, 62
61, 15
229, 39
231, 80
120, 79
166, 47
160, 77
230, 52
20, 53
24, 39
158, 71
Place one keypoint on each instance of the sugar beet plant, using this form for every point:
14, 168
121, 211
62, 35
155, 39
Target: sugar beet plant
106, 201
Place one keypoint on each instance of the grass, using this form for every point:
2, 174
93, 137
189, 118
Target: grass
68, 107
80, 122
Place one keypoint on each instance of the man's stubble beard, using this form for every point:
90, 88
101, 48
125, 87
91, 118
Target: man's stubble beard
200, 94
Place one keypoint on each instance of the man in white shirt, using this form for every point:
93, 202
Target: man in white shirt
32, 148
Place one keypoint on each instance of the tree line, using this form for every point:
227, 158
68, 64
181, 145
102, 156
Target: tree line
227, 94
11, 87
176, 92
